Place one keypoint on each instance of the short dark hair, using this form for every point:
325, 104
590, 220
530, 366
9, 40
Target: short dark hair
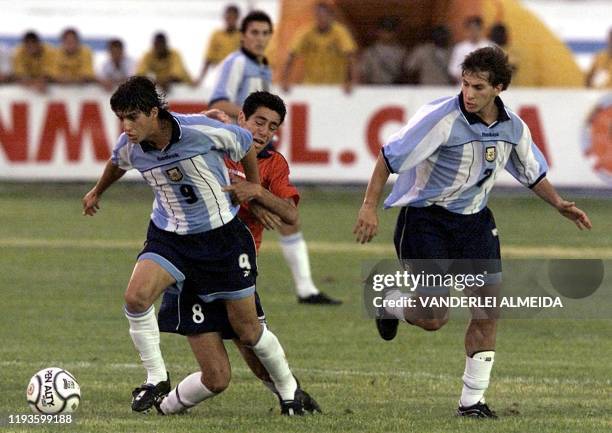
138, 93
264, 99
114, 43
499, 34
70, 31
492, 60
255, 16
233, 9
31, 36
388, 23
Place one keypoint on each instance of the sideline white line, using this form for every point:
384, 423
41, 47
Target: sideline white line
322, 247
328, 372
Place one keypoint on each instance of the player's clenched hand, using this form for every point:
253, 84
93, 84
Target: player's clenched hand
90, 203
569, 210
217, 114
244, 191
366, 226
270, 220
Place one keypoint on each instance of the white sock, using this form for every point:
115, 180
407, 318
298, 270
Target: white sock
271, 354
476, 377
398, 297
188, 393
295, 252
145, 335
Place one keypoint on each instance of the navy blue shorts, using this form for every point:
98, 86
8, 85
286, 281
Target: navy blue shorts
432, 232
217, 264
185, 313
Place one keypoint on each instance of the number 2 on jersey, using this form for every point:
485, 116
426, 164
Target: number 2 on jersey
487, 174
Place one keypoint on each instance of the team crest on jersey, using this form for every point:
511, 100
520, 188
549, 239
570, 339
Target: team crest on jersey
175, 174
490, 153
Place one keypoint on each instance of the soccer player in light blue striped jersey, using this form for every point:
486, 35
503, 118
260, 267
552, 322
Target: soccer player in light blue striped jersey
195, 242
241, 73
447, 158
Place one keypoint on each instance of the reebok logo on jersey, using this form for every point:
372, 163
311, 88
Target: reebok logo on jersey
169, 156
490, 134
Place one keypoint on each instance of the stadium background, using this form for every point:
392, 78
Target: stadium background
62, 276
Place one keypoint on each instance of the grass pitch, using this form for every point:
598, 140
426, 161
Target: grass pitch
63, 276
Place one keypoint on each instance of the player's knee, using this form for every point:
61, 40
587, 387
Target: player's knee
137, 301
216, 380
431, 324
248, 333
291, 229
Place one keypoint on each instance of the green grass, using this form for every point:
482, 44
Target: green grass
62, 305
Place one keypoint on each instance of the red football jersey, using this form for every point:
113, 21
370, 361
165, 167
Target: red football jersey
274, 176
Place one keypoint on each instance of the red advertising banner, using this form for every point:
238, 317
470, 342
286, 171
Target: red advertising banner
328, 136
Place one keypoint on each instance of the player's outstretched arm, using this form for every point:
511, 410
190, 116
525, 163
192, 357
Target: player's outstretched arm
366, 226
248, 192
568, 209
90, 201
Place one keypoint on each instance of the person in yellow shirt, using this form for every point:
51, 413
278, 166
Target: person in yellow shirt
329, 52
600, 74
163, 64
74, 61
223, 41
33, 62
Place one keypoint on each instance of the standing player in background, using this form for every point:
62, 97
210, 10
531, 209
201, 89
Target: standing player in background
447, 157
194, 241
243, 72
223, 41
206, 325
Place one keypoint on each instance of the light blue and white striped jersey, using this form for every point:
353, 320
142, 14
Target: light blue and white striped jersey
448, 157
240, 75
188, 175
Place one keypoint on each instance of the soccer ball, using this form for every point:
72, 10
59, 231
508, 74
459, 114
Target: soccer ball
53, 390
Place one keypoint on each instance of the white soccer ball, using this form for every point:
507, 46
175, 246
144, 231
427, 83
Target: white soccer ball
53, 390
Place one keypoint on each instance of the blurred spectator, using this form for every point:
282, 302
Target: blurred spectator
5, 63
475, 40
383, 61
498, 34
117, 68
328, 50
428, 62
34, 62
163, 64
600, 74
74, 61
223, 41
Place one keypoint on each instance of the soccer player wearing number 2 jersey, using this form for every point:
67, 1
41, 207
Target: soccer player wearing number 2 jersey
447, 158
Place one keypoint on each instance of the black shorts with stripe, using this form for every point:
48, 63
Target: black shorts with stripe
432, 232
217, 264
185, 313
